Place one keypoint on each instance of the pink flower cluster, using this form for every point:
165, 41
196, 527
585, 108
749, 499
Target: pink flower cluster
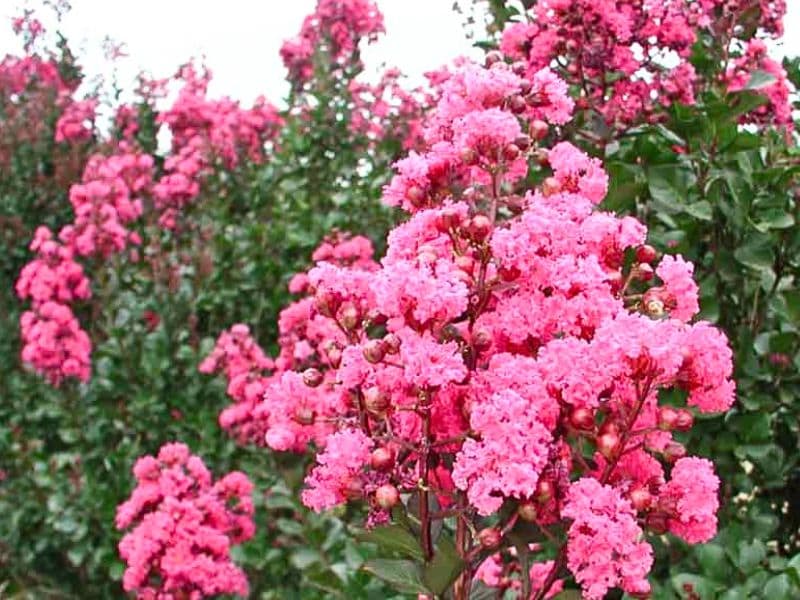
508, 352
778, 108
626, 56
335, 28
183, 527
203, 131
105, 203
76, 122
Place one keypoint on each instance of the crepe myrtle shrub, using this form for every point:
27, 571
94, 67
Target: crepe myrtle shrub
504, 392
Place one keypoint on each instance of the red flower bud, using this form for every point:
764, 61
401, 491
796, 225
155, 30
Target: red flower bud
674, 451
326, 303
643, 272
415, 195
517, 105
381, 459
523, 142
645, 253
489, 538
527, 511
466, 264
469, 156
582, 418
550, 186
641, 498
479, 227
374, 351
510, 152
657, 523
391, 343
304, 416
607, 444
312, 377
667, 418
493, 57
544, 490
349, 316
387, 496
376, 401
481, 339
353, 489
684, 421
539, 130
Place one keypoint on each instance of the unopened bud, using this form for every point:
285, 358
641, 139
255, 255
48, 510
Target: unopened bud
674, 451
684, 421
641, 498
493, 57
550, 186
415, 195
489, 538
480, 226
469, 156
607, 444
510, 152
582, 418
481, 339
312, 377
643, 272
645, 253
667, 418
374, 351
539, 130
657, 523
304, 416
527, 511
350, 316
391, 343
544, 490
523, 142
381, 459
376, 401
387, 496
353, 489
517, 105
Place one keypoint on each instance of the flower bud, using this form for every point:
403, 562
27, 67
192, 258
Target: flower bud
479, 228
466, 264
550, 186
349, 316
391, 343
657, 523
517, 105
381, 459
334, 355
525, 86
523, 142
304, 416
684, 421
643, 272
374, 351
519, 68
645, 253
469, 156
607, 444
509, 273
387, 496
539, 130
353, 489
544, 490
674, 451
492, 58
482, 339
527, 511
582, 418
641, 498
667, 418
376, 401
510, 152
312, 377
415, 195
326, 303
489, 538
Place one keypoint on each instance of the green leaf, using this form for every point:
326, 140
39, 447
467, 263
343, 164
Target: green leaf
700, 210
760, 79
779, 588
393, 538
568, 595
669, 186
445, 566
756, 254
750, 555
685, 583
403, 575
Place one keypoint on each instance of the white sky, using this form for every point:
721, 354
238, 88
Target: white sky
240, 38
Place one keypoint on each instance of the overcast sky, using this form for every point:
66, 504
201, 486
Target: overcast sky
240, 38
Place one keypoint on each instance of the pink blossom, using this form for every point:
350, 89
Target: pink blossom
338, 466
605, 547
691, 498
